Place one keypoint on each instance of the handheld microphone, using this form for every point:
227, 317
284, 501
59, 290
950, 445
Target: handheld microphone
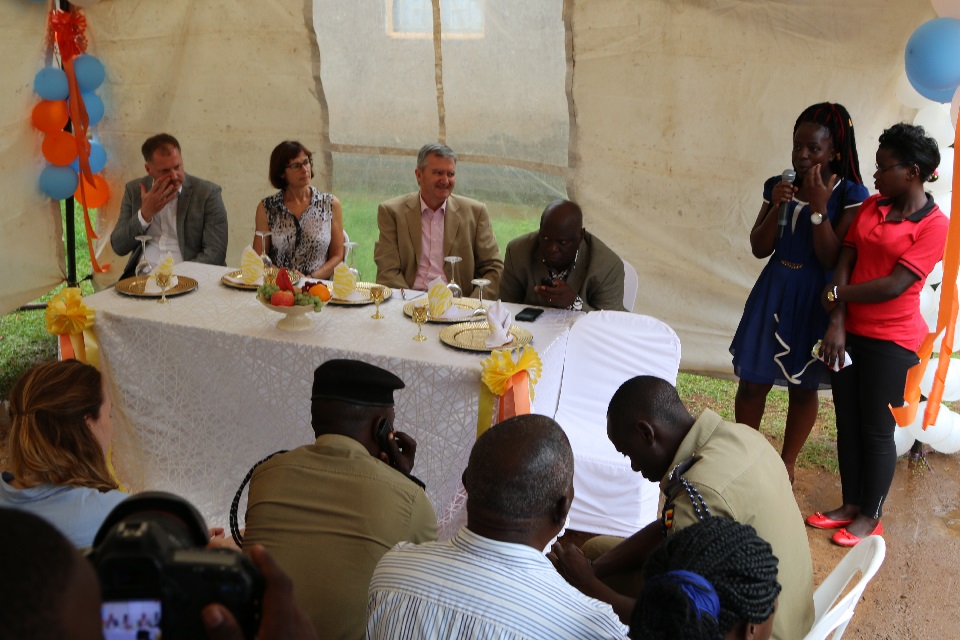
788, 176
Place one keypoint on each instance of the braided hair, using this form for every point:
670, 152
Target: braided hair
835, 118
738, 563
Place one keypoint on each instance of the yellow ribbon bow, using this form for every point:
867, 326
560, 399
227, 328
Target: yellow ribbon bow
508, 383
67, 316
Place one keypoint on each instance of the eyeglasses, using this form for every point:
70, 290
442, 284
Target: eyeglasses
296, 166
892, 166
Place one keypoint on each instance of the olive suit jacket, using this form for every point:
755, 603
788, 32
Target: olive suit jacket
597, 277
467, 233
201, 223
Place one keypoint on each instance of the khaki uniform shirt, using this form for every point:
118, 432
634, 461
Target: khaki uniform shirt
327, 512
741, 477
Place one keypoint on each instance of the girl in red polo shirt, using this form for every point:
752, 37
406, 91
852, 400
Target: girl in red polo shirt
874, 305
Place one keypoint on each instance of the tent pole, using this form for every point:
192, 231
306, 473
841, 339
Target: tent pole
70, 232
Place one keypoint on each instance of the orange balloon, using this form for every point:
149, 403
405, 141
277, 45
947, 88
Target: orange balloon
50, 115
59, 148
96, 194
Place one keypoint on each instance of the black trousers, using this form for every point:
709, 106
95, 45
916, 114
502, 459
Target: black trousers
862, 396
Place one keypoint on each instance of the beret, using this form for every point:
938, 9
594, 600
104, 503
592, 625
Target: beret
354, 382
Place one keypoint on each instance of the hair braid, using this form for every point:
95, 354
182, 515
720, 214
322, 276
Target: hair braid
835, 118
732, 557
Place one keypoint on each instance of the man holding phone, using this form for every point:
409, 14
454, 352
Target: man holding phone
184, 215
328, 511
562, 265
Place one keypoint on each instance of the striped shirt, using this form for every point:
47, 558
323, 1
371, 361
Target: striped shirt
476, 588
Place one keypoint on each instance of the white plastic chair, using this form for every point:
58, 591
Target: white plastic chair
833, 612
631, 283
604, 350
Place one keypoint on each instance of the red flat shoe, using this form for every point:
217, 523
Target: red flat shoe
820, 521
846, 539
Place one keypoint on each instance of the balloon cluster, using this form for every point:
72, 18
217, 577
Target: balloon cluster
61, 178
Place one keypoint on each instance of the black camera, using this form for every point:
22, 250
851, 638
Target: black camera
156, 574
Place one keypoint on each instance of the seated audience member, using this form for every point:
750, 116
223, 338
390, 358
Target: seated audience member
48, 590
562, 265
714, 579
183, 215
305, 225
492, 579
59, 437
328, 511
420, 229
706, 466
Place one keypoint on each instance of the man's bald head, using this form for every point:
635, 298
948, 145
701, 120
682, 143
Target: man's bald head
519, 469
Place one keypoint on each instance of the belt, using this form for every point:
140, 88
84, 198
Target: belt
791, 265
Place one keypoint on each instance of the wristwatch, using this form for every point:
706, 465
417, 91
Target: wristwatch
832, 295
816, 217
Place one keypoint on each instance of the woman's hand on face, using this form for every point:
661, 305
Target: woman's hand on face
818, 192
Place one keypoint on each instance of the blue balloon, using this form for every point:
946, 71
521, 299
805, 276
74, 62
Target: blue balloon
932, 57
89, 71
944, 95
98, 158
50, 83
94, 106
58, 182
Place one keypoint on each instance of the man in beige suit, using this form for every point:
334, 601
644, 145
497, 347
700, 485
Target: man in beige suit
418, 230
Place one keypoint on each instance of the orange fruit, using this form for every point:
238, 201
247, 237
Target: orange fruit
320, 290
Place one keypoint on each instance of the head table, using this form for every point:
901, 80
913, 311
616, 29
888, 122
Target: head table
206, 385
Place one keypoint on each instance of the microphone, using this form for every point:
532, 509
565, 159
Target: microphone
789, 175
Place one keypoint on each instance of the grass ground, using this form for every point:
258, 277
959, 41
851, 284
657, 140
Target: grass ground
24, 340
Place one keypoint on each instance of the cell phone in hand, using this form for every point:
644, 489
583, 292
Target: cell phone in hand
528, 314
384, 429
546, 282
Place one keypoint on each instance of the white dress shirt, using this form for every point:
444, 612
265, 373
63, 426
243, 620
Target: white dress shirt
476, 588
163, 233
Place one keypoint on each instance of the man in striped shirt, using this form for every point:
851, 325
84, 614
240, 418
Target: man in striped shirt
492, 579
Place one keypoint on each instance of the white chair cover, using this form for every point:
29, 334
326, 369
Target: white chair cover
631, 283
834, 613
604, 350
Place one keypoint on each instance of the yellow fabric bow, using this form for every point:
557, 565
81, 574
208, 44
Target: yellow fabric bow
500, 367
66, 313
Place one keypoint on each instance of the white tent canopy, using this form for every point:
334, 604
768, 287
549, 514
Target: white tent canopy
661, 117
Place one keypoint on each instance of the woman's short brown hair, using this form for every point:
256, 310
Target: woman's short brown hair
50, 441
281, 156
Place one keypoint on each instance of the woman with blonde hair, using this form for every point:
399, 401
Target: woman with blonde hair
59, 437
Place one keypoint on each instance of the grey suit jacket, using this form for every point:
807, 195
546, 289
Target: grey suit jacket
201, 223
467, 233
597, 277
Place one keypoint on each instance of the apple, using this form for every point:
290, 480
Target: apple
282, 299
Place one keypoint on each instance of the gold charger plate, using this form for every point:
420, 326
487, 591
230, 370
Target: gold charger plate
464, 303
134, 287
362, 286
471, 336
295, 277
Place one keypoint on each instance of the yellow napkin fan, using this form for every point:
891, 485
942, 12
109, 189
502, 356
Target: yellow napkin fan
440, 298
251, 266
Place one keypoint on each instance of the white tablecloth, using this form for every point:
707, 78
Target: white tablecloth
206, 385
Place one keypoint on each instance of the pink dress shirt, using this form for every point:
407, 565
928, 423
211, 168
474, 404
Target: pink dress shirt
431, 246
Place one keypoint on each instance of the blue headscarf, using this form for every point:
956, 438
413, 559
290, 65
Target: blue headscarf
698, 590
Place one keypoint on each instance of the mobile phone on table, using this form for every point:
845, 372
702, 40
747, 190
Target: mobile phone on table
529, 314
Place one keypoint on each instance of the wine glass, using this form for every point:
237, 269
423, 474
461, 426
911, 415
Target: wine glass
377, 293
163, 281
455, 289
143, 267
352, 259
263, 235
480, 283
419, 314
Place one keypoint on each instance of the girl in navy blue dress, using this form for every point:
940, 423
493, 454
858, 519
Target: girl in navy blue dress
783, 317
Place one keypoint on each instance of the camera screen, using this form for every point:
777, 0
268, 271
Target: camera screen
131, 620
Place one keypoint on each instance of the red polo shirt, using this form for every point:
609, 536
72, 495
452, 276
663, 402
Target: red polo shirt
916, 242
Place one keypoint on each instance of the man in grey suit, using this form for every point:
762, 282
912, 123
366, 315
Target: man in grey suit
183, 214
418, 230
562, 265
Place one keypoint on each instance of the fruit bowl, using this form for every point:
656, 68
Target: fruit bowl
294, 318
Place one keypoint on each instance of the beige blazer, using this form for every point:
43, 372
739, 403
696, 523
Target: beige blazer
467, 233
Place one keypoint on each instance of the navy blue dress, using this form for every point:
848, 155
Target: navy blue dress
783, 318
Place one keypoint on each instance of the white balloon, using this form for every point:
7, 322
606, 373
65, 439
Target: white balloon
945, 202
926, 382
935, 276
951, 444
954, 106
935, 432
930, 306
944, 182
935, 120
951, 384
946, 8
908, 95
903, 439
